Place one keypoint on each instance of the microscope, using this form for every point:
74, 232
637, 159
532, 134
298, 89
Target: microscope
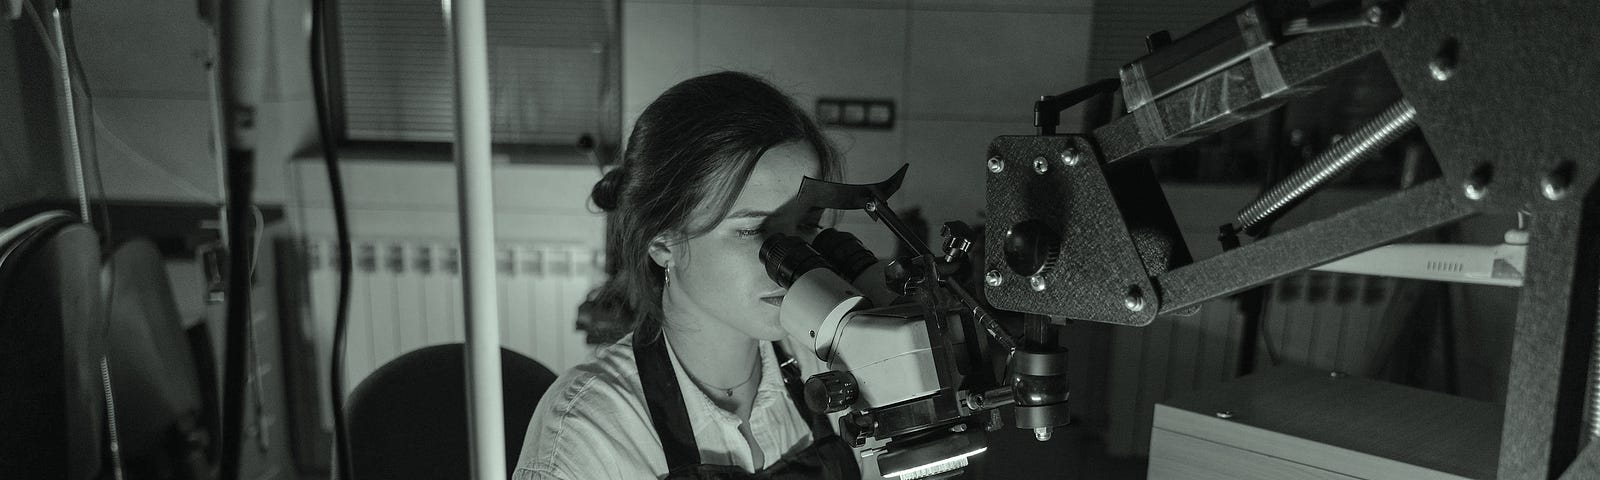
911, 354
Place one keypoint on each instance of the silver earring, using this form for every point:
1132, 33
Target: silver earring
666, 279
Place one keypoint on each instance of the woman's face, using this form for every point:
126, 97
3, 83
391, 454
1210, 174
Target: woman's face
718, 277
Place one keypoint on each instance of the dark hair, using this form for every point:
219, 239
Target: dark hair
696, 143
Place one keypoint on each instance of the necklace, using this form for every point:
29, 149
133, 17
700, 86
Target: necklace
728, 391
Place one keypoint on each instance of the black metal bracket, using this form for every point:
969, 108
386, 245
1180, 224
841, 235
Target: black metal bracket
1047, 110
1499, 96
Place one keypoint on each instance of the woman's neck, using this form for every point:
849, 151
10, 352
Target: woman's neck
717, 357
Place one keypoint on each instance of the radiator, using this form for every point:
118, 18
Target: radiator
406, 294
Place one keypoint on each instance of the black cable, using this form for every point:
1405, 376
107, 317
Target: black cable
330, 155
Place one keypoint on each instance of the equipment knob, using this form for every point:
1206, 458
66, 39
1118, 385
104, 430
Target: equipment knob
831, 391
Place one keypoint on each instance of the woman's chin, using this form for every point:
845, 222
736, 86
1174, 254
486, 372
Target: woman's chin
766, 331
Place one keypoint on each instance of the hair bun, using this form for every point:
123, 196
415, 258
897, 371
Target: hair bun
608, 190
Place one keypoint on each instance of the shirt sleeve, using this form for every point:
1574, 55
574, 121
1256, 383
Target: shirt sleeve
587, 430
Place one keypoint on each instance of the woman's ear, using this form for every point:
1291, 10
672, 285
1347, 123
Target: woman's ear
661, 250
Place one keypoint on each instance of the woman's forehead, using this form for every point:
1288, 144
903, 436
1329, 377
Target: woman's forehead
777, 176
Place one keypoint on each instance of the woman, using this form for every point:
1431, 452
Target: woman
698, 389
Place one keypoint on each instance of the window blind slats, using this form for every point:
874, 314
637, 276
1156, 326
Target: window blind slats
547, 70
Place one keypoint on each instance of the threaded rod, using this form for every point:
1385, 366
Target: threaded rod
1594, 391
1363, 144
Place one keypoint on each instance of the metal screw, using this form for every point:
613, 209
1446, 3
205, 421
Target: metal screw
1383, 15
1040, 165
996, 165
1041, 434
1134, 300
1071, 156
958, 428
1225, 414
1037, 283
992, 278
1443, 65
1477, 184
872, 205
1440, 69
1556, 182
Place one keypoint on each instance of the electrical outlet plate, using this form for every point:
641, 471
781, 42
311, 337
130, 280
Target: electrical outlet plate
856, 112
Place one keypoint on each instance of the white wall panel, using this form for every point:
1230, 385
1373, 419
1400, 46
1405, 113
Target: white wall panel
991, 66
1081, 7
807, 51
947, 166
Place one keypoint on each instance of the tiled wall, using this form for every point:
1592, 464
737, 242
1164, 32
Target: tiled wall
960, 73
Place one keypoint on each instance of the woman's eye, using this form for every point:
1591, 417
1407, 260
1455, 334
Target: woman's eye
750, 232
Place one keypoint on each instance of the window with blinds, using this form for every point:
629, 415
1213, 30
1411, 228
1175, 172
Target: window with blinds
551, 69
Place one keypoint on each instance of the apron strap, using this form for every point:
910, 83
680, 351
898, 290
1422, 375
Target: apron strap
661, 393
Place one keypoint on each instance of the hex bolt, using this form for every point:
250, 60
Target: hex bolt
1225, 414
958, 428
1384, 14
1443, 65
1040, 165
1041, 434
1037, 283
1071, 156
1134, 300
1555, 184
974, 402
1477, 184
992, 278
872, 205
996, 165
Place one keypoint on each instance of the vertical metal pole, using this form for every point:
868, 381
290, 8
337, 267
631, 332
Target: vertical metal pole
243, 32
476, 192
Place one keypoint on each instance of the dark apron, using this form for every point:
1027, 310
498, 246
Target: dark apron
827, 457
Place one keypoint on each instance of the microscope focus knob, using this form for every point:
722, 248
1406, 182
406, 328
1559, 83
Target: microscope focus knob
831, 391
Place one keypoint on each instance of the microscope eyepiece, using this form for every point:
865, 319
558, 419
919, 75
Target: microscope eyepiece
788, 257
845, 252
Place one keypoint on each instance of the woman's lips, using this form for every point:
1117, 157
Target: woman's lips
774, 299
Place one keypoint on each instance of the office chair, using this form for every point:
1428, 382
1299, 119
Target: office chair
409, 418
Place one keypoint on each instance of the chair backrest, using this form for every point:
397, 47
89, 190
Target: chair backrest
52, 336
409, 418
153, 374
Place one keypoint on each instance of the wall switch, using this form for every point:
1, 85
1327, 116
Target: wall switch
856, 113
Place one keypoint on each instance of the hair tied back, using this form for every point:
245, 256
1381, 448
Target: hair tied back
608, 190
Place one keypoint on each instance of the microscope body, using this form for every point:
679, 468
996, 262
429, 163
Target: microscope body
884, 353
